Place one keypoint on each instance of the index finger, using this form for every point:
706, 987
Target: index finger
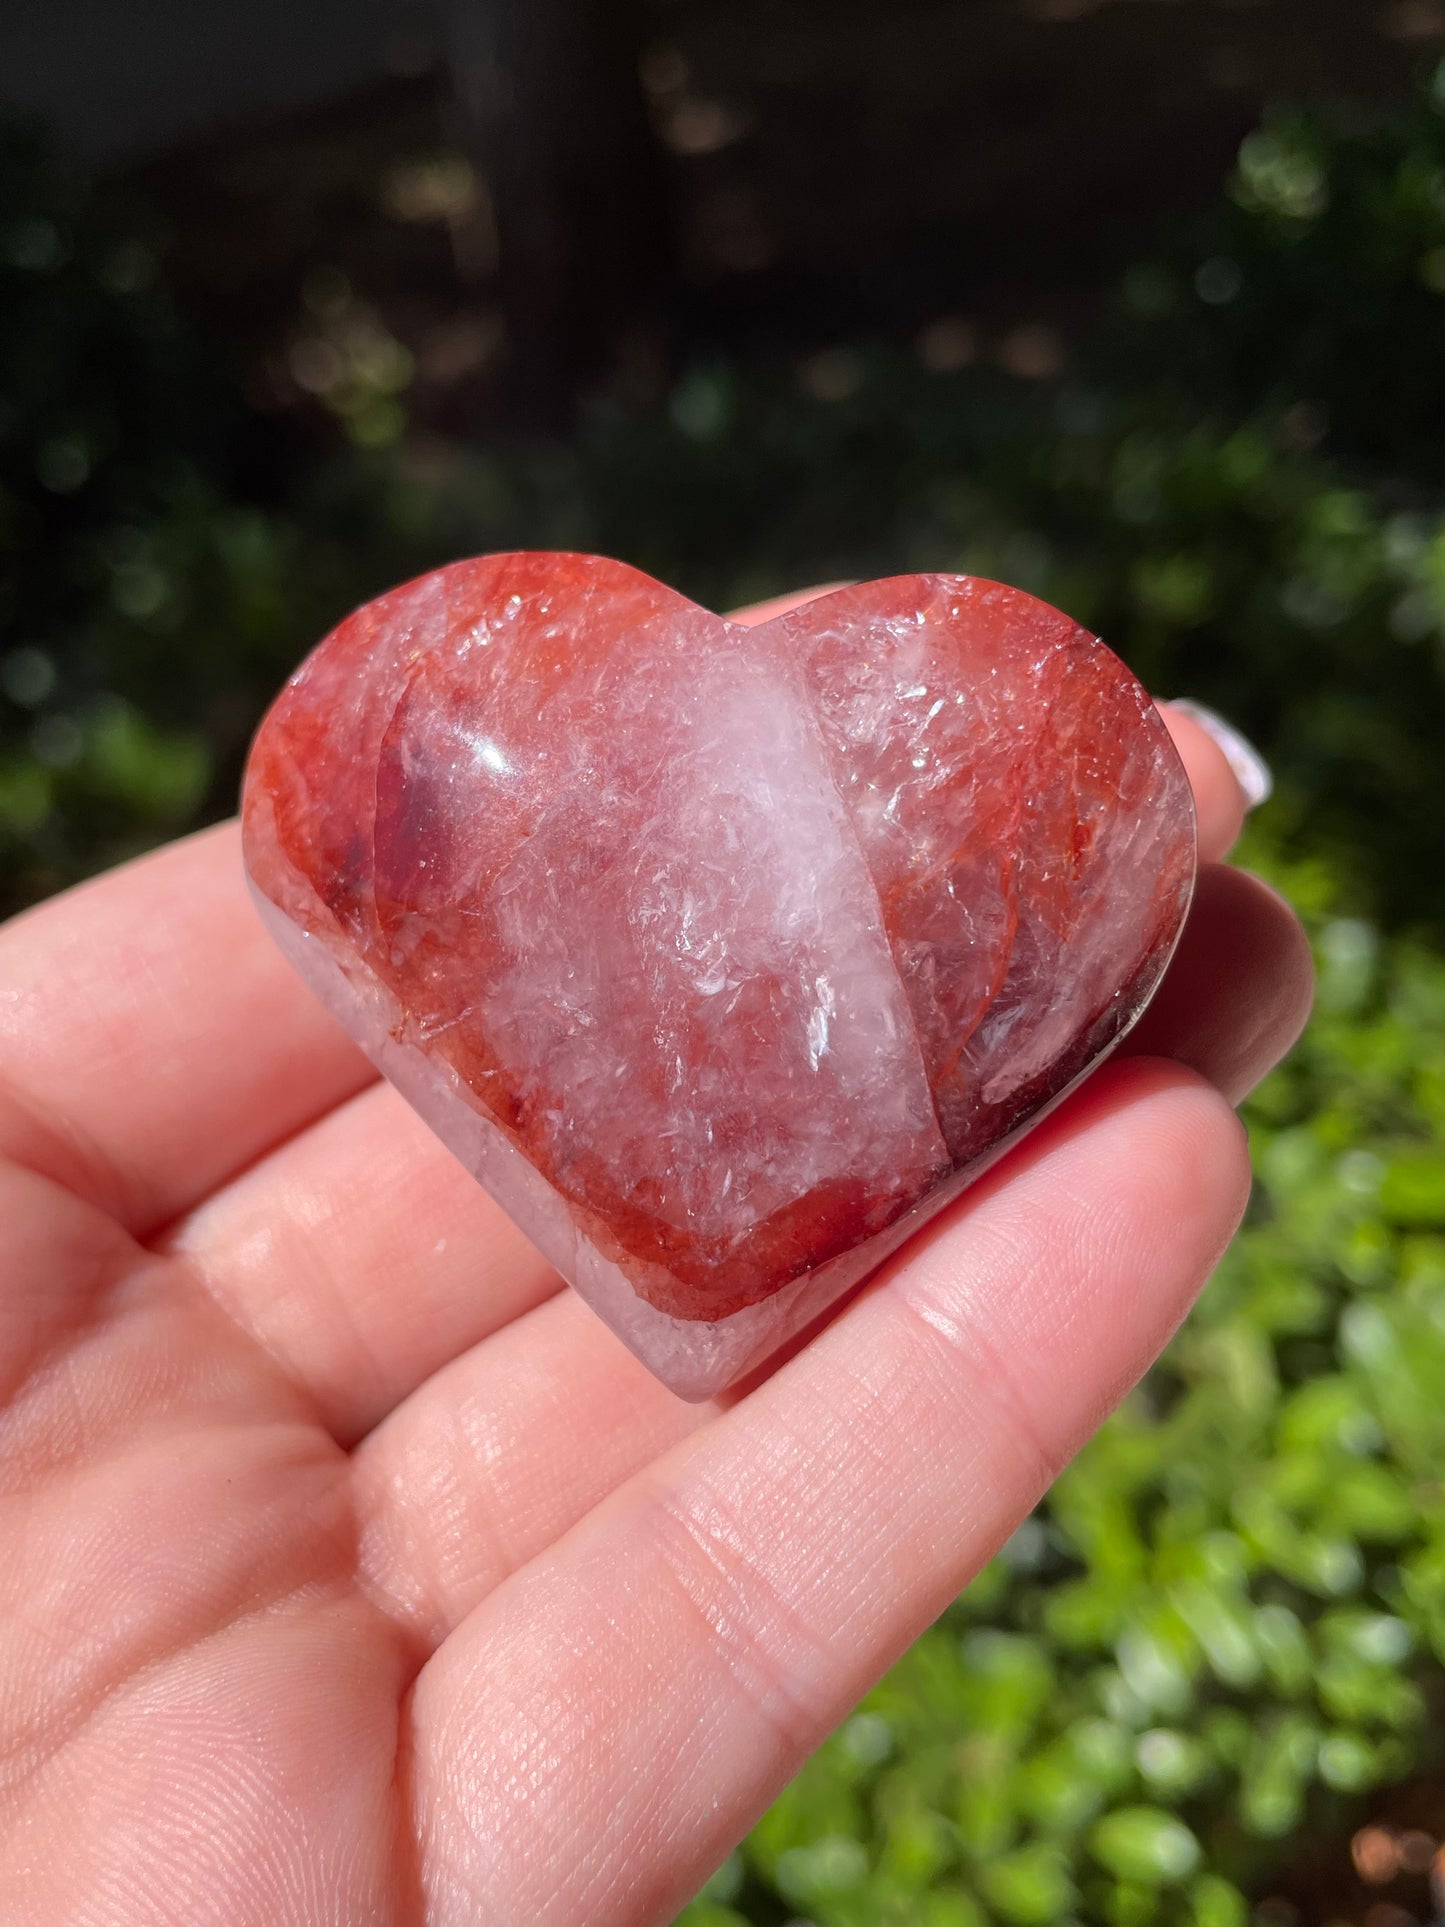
153, 1040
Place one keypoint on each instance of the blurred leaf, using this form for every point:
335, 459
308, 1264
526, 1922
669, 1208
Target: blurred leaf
1412, 1191
1145, 1845
1029, 1888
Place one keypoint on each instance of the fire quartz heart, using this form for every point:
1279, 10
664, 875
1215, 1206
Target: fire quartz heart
722, 956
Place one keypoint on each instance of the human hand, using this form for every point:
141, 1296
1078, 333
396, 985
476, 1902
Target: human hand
356, 1574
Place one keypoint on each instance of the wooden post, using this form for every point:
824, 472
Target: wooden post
553, 103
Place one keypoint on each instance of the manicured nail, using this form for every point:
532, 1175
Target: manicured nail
1251, 771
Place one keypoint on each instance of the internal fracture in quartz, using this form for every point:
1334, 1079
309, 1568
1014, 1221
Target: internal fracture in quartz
720, 954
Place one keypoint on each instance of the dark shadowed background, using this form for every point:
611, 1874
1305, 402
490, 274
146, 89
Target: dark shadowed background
1139, 304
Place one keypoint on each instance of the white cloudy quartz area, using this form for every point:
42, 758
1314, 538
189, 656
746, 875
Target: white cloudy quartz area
631, 860
692, 978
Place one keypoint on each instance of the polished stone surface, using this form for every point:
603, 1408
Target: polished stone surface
721, 955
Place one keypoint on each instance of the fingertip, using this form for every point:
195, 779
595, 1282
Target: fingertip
1219, 800
1184, 1130
1239, 990
1251, 771
1169, 1161
1202, 1137
781, 605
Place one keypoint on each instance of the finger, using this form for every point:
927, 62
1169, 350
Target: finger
1220, 804
362, 1257
780, 605
724, 1609
60, 1260
152, 1038
498, 1455
1237, 994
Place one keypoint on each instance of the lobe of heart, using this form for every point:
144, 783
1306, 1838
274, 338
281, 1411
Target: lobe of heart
721, 955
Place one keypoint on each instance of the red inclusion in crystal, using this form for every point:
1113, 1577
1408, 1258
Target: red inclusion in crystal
749, 940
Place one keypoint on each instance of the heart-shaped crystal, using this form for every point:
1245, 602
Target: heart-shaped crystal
721, 955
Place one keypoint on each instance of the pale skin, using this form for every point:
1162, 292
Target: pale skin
352, 1573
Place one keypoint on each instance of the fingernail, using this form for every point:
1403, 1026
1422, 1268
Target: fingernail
1251, 771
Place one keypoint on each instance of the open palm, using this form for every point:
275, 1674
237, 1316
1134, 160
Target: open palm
351, 1572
